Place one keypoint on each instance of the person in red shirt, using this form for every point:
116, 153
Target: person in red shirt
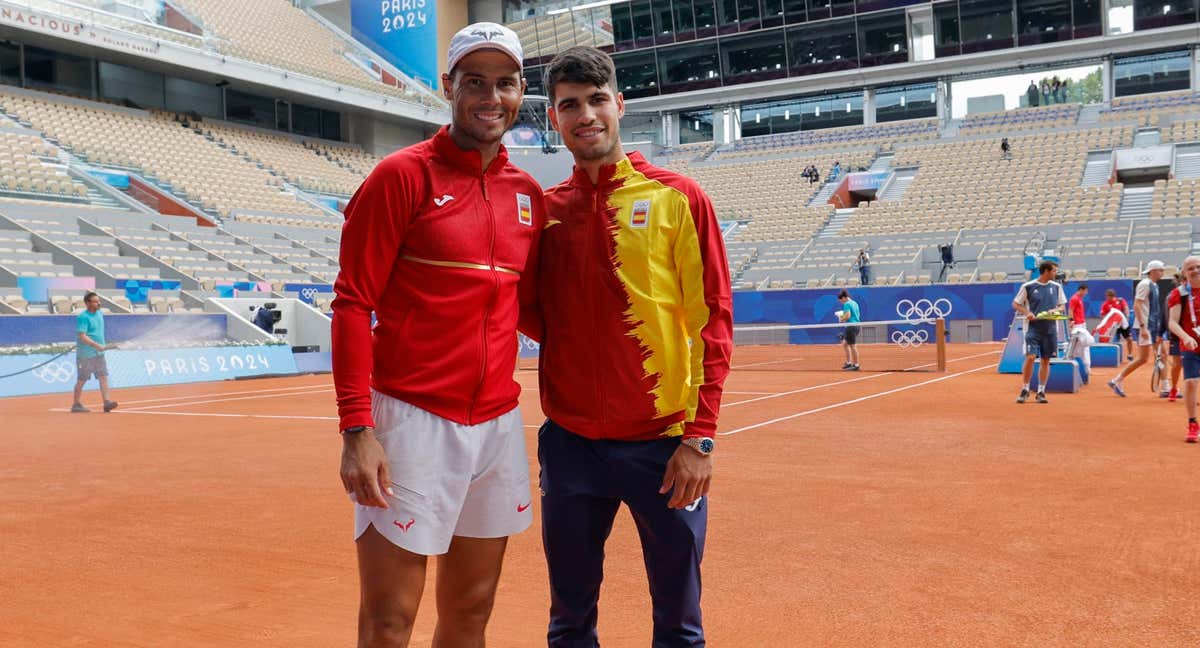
1081, 339
440, 245
1183, 318
635, 296
1111, 302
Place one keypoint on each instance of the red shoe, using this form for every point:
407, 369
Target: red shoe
1173, 395
1193, 432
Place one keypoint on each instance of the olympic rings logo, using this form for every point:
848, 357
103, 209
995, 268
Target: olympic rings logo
906, 339
308, 294
54, 372
923, 309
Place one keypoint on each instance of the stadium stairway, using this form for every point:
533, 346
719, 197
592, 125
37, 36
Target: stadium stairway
882, 163
1097, 169
1187, 161
1135, 203
836, 222
1089, 115
822, 196
898, 184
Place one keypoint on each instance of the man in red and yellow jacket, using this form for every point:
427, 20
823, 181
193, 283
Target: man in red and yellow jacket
440, 244
635, 301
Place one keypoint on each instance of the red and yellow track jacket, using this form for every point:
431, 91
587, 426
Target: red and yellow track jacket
443, 253
636, 308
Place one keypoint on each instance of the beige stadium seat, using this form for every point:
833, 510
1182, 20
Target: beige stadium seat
17, 302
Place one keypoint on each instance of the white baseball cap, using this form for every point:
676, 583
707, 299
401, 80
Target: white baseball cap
484, 35
1154, 265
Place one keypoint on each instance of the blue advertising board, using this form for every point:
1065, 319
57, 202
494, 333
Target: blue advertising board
308, 291
865, 181
140, 368
404, 32
138, 290
991, 301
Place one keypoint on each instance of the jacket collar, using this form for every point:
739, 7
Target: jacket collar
468, 161
611, 175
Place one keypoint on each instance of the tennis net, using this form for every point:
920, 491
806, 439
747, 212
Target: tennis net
885, 345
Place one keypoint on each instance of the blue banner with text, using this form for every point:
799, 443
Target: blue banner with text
140, 368
402, 31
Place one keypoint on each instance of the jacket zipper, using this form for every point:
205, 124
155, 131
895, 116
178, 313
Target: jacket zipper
597, 219
487, 312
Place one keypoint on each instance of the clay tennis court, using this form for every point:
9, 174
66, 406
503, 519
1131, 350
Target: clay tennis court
871, 509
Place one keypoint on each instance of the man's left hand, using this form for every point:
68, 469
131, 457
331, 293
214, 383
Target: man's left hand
689, 473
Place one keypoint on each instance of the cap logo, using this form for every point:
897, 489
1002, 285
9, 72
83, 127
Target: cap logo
487, 34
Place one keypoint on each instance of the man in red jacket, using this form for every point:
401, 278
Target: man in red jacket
439, 243
635, 296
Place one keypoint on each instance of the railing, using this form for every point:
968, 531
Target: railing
92, 16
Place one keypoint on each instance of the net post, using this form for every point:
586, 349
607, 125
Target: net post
940, 334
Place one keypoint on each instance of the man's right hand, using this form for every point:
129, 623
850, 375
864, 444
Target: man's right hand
1188, 342
365, 473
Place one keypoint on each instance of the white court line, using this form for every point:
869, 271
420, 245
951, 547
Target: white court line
233, 393
843, 382
856, 400
235, 415
804, 389
747, 393
226, 400
222, 415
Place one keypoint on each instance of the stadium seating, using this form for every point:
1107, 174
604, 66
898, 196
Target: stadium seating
355, 160
24, 170
1175, 198
771, 192
1055, 116
162, 148
968, 183
278, 34
883, 136
288, 157
1149, 109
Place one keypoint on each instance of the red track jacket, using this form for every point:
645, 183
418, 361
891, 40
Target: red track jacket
443, 254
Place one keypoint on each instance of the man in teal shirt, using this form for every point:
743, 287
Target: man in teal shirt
849, 315
89, 354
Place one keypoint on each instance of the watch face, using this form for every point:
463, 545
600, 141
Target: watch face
706, 445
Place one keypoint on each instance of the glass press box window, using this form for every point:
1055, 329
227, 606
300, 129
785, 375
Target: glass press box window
695, 126
637, 74
1152, 73
822, 47
1043, 21
985, 25
882, 38
689, 67
906, 102
753, 57
10, 63
946, 39
1150, 14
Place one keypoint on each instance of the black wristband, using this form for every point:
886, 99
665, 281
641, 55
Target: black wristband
356, 429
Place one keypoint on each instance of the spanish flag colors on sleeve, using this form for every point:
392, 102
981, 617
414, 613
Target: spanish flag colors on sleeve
635, 296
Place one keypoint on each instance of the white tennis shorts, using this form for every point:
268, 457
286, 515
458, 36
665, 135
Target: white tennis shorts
448, 479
